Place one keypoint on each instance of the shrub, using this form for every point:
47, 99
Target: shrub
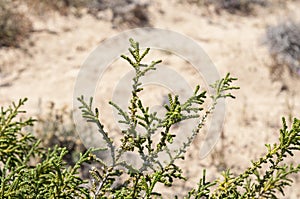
263, 179
283, 41
15, 27
30, 171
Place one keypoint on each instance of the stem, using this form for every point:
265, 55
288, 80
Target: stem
135, 185
107, 174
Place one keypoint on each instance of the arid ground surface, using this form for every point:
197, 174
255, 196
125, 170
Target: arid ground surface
47, 70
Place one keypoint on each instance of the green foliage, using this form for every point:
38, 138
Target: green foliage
30, 171
263, 179
140, 182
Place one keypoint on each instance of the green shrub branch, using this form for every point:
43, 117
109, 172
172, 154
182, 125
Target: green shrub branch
28, 170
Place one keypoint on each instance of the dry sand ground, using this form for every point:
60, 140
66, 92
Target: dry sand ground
48, 70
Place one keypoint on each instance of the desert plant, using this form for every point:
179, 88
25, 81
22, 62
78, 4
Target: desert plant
30, 171
265, 177
283, 41
142, 180
15, 26
254, 182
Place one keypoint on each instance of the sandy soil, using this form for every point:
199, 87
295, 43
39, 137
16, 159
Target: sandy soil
47, 71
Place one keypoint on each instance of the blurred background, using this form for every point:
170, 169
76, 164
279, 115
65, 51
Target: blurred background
43, 43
